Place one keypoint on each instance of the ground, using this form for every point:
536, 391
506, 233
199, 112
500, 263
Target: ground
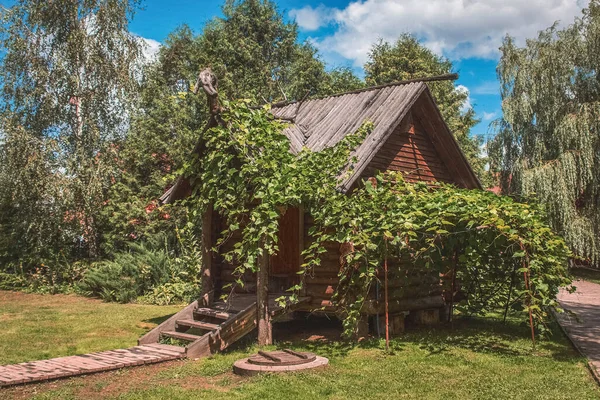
36, 327
479, 358
581, 319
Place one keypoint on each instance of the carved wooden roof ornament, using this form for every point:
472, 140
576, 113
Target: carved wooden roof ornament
208, 80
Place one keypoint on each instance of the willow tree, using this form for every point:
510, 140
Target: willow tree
548, 141
66, 77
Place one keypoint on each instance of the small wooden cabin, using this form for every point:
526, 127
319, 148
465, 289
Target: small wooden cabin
409, 135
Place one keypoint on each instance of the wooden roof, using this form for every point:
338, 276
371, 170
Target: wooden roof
323, 122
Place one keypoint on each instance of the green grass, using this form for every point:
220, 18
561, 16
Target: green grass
586, 274
474, 359
34, 327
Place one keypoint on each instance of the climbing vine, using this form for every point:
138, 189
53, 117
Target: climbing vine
501, 251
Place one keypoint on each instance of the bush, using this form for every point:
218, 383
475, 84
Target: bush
129, 275
149, 270
57, 275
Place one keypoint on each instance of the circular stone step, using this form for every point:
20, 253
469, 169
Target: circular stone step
278, 361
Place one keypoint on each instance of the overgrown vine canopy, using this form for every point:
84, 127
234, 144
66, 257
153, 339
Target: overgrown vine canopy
501, 250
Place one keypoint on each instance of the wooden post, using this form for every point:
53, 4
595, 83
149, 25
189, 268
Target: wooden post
301, 244
207, 290
453, 287
387, 312
265, 333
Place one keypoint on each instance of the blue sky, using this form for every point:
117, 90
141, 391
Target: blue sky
468, 32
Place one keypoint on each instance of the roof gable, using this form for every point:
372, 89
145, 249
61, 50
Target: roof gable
321, 123
410, 150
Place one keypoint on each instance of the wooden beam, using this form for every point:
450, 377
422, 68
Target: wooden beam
301, 243
207, 290
265, 332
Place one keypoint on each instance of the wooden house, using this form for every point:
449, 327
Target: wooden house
409, 135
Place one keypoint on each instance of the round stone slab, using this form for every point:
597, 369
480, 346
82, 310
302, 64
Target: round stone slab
278, 358
278, 361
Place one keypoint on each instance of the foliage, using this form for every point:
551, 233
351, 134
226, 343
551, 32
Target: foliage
246, 171
547, 142
67, 80
33, 226
166, 128
407, 59
255, 54
484, 238
151, 269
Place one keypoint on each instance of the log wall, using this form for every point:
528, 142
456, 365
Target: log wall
410, 150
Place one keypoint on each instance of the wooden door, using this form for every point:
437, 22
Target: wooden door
286, 263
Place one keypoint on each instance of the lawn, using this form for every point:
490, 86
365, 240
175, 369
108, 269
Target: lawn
586, 274
473, 359
35, 327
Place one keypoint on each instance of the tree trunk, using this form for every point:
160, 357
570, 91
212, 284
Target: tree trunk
265, 334
207, 290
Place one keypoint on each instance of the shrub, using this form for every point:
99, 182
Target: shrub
149, 270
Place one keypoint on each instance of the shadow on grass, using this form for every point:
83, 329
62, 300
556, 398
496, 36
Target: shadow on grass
586, 274
158, 320
323, 335
478, 334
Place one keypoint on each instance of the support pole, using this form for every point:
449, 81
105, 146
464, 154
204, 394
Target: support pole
453, 287
510, 290
265, 331
207, 290
387, 314
527, 286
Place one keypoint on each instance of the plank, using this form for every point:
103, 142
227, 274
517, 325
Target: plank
197, 324
181, 336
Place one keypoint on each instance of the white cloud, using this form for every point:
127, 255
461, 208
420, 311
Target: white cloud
488, 116
150, 48
311, 19
455, 28
468, 104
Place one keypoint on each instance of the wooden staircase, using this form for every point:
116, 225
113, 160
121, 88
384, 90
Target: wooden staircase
204, 331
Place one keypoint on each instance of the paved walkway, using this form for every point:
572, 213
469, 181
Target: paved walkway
584, 327
63, 367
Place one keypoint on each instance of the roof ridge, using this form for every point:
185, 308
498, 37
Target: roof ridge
444, 77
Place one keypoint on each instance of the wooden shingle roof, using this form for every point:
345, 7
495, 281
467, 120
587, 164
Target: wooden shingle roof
321, 123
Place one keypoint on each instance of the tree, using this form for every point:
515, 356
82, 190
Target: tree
409, 59
67, 80
163, 132
255, 55
548, 141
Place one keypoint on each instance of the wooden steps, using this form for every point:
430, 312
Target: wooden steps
190, 323
209, 312
180, 336
208, 330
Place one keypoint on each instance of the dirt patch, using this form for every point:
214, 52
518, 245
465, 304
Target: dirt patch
311, 328
145, 325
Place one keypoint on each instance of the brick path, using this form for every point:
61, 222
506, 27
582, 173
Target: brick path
584, 327
63, 367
